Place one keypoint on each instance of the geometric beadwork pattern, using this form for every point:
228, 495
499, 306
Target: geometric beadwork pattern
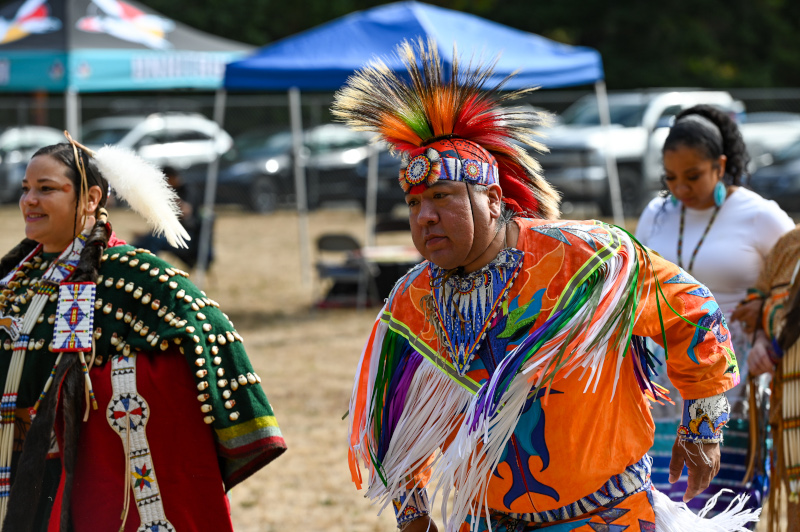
469, 171
411, 505
74, 317
466, 304
127, 413
63, 268
158, 526
703, 419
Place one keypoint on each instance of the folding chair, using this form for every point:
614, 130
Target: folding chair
351, 268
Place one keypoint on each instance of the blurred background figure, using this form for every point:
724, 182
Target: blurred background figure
189, 219
772, 313
720, 233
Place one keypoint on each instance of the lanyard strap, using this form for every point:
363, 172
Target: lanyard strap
700, 243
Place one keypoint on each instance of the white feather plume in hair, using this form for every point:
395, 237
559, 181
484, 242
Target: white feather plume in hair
144, 187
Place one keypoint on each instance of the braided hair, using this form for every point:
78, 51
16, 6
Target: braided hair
692, 134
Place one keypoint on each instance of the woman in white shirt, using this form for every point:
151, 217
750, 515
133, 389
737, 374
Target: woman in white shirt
720, 233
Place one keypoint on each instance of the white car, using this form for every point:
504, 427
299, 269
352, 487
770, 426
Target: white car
177, 139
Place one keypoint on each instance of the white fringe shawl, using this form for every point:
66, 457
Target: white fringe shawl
674, 516
432, 412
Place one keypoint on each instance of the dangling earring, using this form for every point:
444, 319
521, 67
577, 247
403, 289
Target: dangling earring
720, 193
673, 200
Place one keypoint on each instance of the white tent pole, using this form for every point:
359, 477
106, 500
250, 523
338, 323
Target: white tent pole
207, 211
371, 205
300, 184
71, 111
611, 161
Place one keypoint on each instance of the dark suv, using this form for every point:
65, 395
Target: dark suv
258, 172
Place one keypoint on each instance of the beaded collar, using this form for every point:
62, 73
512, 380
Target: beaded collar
41, 290
465, 304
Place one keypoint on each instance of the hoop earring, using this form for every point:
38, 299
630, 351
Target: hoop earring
720, 193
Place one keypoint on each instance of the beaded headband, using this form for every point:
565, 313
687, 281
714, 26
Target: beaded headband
452, 159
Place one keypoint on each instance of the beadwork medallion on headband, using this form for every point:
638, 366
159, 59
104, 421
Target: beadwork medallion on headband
451, 160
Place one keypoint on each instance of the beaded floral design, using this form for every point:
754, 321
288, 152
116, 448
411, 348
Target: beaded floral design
425, 168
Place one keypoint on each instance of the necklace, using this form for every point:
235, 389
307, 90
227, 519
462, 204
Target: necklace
466, 304
45, 289
699, 243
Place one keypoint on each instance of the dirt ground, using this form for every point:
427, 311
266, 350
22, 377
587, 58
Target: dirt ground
305, 356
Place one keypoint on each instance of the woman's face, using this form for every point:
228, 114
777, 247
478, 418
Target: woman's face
48, 203
691, 176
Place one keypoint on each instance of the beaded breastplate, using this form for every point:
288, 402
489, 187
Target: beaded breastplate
466, 304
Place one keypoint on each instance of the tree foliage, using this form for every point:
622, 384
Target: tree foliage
703, 43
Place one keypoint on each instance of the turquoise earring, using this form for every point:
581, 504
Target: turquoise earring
720, 193
673, 200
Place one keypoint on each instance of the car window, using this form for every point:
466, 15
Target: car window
665, 120
262, 143
326, 140
150, 139
101, 136
585, 113
186, 135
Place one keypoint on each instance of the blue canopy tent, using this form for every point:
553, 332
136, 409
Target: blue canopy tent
75, 46
322, 58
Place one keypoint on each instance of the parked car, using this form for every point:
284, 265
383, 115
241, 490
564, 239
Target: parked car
768, 133
177, 139
576, 163
578, 144
780, 180
258, 172
390, 193
17, 146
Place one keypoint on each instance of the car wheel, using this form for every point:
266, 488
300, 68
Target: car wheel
630, 185
262, 197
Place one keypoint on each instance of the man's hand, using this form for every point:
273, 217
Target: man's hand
700, 473
422, 524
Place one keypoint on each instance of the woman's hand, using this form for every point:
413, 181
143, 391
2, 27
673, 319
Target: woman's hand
749, 314
759, 360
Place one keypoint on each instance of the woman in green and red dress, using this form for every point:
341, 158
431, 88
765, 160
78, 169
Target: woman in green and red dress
129, 401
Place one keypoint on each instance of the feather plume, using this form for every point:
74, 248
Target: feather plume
430, 103
144, 187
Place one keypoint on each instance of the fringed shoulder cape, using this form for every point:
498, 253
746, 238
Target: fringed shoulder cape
209, 424
554, 401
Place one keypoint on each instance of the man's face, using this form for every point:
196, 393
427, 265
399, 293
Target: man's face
442, 224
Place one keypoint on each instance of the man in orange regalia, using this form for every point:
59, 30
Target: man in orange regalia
509, 369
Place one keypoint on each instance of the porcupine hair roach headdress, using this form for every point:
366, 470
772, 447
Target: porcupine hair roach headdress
449, 127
